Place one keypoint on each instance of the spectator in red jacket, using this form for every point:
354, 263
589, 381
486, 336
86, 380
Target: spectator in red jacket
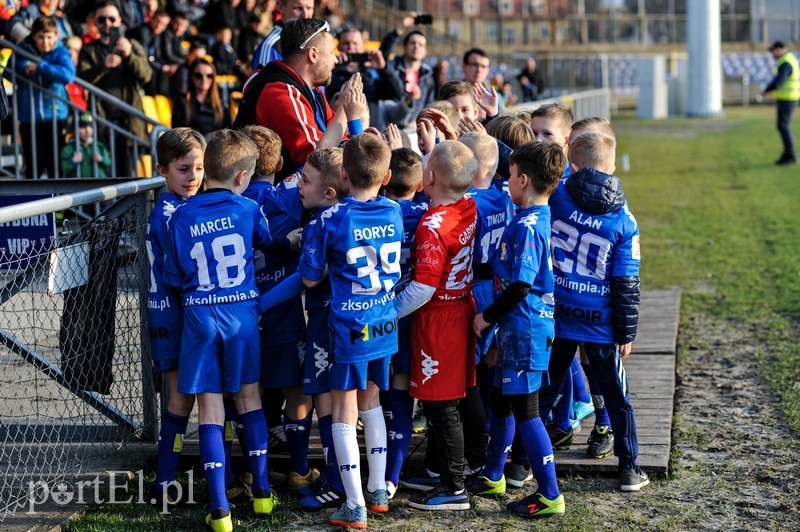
285, 96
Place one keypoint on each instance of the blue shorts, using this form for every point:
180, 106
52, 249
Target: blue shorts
483, 292
220, 348
355, 376
282, 364
512, 382
401, 361
165, 330
318, 360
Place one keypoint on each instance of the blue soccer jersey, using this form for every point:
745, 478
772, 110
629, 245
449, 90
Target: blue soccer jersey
210, 258
588, 250
361, 244
525, 257
495, 211
320, 295
282, 206
164, 314
413, 211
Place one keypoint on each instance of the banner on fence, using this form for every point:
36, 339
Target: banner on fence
26, 238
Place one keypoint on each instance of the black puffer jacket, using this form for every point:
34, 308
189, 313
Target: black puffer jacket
598, 193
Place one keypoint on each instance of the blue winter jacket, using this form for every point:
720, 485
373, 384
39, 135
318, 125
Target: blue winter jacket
56, 69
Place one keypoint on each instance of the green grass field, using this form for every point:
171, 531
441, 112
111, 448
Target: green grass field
718, 221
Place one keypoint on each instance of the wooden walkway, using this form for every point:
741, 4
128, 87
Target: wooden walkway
651, 378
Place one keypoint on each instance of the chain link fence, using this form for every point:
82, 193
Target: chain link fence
75, 373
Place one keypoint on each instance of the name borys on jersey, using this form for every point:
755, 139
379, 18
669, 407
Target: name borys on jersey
376, 231
211, 226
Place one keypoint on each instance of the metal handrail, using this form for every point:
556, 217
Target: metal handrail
95, 94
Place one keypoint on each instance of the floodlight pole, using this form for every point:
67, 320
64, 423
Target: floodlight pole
705, 72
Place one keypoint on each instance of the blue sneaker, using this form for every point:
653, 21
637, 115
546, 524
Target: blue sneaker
323, 496
421, 482
440, 498
349, 518
377, 501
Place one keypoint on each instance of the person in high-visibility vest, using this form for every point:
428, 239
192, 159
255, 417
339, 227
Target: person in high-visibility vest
785, 88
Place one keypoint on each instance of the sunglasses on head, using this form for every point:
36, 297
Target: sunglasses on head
110, 20
324, 27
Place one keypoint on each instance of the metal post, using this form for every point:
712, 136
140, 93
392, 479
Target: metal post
149, 404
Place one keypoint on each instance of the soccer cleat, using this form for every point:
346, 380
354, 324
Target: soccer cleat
601, 442
582, 409
421, 482
632, 479
219, 521
439, 498
377, 501
560, 439
238, 493
349, 518
784, 160
264, 502
323, 495
517, 474
481, 485
537, 506
276, 441
297, 481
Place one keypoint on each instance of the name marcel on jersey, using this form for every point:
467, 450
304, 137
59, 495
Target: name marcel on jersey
211, 226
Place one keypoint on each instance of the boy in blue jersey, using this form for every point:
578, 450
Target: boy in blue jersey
321, 186
523, 311
210, 259
359, 241
283, 326
596, 256
398, 405
180, 162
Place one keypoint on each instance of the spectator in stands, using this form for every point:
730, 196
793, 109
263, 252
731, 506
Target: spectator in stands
37, 108
476, 66
21, 24
79, 157
155, 40
379, 77
225, 57
418, 79
134, 13
179, 83
119, 67
178, 31
249, 39
531, 81
201, 108
285, 96
230, 14
270, 47
441, 73
74, 44
785, 87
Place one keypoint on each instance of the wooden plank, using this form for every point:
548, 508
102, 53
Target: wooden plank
651, 379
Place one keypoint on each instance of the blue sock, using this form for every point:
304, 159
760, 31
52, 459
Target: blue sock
562, 410
399, 410
254, 436
170, 445
212, 453
231, 421
537, 444
600, 413
579, 391
501, 434
331, 465
297, 434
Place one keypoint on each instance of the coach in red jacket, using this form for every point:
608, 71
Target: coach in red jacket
285, 96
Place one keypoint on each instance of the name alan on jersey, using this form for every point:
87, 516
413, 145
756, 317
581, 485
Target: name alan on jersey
211, 226
588, 221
